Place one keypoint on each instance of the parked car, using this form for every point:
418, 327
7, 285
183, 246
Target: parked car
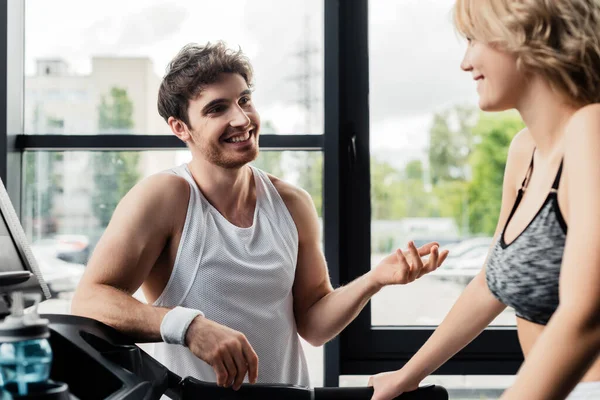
465, 260
60, 276
459, 249
72, 248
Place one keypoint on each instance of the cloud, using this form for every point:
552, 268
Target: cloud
290, 46
414, 59
126, 34
87, 29
414, 51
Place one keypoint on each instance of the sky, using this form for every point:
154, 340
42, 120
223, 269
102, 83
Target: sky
414, 53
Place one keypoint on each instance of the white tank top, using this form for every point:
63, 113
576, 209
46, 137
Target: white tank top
241, 278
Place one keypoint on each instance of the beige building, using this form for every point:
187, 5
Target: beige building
58, 101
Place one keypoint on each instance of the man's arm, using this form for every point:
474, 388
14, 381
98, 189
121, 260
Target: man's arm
321, 312
124, 257
570, 343
141, 226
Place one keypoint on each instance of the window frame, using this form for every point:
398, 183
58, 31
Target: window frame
362, 348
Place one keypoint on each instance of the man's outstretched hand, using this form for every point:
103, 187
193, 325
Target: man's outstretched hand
402, 267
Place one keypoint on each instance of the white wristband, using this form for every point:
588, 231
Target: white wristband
175, 324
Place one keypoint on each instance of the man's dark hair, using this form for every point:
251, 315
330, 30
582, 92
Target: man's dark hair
192, 69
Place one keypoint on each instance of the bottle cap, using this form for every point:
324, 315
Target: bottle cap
21, 325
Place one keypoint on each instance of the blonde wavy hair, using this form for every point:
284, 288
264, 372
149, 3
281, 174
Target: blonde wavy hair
557, 39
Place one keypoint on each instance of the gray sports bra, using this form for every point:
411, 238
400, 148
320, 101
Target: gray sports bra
524, 274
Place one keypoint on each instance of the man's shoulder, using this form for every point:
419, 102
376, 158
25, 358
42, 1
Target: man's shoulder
161, 189
300, 206
294, 197
154, 207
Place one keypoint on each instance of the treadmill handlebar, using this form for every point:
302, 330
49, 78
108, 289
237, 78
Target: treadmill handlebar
93, 358
191, 388
429, 392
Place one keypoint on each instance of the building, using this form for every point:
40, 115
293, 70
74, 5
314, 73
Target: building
58, 101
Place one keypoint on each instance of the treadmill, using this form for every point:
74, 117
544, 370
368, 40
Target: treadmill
97, 362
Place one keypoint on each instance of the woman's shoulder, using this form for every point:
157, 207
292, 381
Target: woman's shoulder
519, 157
584, 121
522, 145
582, 138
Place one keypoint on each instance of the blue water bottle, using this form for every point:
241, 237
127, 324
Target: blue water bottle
25, 353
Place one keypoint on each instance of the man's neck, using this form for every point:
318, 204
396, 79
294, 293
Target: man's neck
231, 191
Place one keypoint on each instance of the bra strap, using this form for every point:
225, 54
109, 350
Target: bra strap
558, 174
529, 172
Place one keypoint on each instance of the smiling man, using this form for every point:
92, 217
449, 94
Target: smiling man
228, 256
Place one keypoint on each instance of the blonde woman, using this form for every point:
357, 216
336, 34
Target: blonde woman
541, 57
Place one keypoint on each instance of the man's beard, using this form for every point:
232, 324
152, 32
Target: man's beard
228, 159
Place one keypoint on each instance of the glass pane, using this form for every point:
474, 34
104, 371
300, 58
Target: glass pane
465, 387
436, 160
64, 211
118, 50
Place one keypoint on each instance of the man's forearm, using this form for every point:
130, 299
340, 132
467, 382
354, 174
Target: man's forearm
558, 360
332, 313
120, 311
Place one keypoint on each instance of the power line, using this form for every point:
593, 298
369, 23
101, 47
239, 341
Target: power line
305, 78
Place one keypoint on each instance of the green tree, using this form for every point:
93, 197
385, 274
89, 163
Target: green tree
488, 161
114, 173
388, 199
269, 161
310, 176
41, 181
396, 194
418, 201
41, 184
450, 200
451, 142
414, 170
115, 114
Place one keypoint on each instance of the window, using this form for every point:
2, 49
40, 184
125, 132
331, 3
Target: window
72, 194
114, 53
374, 171
64, 211
90, 106
433, 174
408, 127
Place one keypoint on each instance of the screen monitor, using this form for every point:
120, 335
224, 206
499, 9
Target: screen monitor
15, 252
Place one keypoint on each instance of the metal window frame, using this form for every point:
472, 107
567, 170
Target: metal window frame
362, 348
150, 142
12, 51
